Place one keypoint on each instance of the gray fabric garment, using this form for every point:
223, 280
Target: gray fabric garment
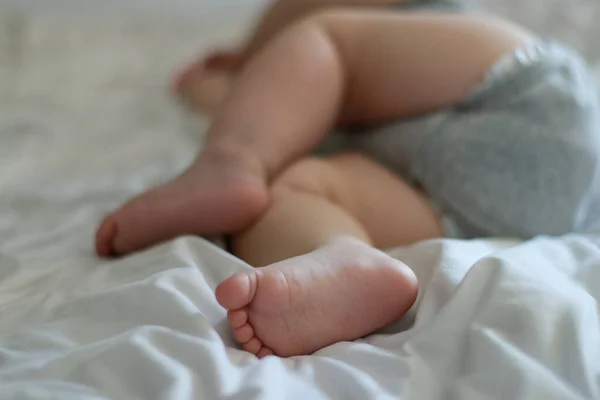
434, 5
518, 157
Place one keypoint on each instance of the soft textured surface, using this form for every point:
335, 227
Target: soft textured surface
86, 121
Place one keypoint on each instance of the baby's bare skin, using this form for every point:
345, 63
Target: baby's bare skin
338, 67
340, 292
215, 195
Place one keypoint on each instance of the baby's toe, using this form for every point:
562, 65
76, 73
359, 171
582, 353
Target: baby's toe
264, 352
244, 333
253, 346
237, 318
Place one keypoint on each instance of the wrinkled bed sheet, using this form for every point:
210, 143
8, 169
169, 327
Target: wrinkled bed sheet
86, 121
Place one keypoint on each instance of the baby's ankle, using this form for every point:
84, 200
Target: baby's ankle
233, 158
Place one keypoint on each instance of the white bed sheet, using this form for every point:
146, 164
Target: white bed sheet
85, 122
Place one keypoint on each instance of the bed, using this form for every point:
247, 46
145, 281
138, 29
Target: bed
86, 121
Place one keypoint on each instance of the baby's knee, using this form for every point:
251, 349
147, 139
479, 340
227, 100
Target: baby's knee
338, 23
311, 176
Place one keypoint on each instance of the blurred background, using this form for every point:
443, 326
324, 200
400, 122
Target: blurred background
124, 4
87, 80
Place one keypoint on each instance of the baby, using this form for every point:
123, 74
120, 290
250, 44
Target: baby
463, 126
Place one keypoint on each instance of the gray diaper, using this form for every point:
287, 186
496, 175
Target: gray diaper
433, 5
518, 157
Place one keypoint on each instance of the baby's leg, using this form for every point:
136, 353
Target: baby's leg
205, 84
349, 66
325, 213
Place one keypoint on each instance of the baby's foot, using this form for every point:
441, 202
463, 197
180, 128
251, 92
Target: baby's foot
340, 292
205, 84
214, 196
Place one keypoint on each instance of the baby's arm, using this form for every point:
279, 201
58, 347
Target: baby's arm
282, 13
